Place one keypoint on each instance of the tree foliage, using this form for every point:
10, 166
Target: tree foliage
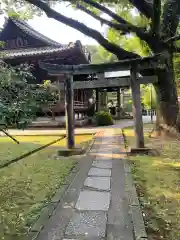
19, 101
148, 96
100, 55
155, 22
154, 26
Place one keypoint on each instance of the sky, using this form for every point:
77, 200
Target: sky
60, 32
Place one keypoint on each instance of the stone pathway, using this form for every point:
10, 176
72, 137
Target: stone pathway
95, 206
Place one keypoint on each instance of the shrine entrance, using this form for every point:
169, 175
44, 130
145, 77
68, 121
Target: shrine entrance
134, 80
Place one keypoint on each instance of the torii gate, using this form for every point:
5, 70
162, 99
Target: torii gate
134, 65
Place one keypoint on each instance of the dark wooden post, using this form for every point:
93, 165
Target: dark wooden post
118, 103
122, 98
97, 99
69, 107
151, 103
137, 112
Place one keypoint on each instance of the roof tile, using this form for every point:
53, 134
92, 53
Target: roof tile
28, 52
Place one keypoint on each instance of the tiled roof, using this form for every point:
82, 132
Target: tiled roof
28, 52
52, 47
24, 26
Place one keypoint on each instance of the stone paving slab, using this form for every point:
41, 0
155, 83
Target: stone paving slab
98, 172
100, 183
93, 200
89, 224
102, 164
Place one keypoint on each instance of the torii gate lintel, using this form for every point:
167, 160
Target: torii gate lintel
134, 66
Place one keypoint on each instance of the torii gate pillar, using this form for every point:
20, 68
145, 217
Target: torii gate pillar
118, 103
69, 109
137, 112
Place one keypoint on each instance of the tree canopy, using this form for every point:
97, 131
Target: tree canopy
155, 23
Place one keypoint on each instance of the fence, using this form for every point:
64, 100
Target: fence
149, 112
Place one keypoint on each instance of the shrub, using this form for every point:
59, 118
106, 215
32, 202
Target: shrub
103, 118
128, 106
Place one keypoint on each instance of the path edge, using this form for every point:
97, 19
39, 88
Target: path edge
135, 212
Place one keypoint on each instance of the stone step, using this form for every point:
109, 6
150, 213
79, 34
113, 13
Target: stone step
99, 172
99, 183
93, 201
87, 225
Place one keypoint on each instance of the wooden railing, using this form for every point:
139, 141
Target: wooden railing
78, 105
60, 107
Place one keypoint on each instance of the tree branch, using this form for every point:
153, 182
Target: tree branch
116, 26
111, 47
123, 24
144, 7
100, 7
156, 17
173, 39
153, 41
127, 28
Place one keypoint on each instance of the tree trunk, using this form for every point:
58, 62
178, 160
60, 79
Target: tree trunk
167, 95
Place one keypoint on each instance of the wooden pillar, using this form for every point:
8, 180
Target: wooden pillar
137, 112
69, 108
151, 103
97, 99
118, 103
122, 98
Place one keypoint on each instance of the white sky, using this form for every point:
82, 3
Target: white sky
61, 32
116, 74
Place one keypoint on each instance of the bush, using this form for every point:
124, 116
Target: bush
103, 118
128, 107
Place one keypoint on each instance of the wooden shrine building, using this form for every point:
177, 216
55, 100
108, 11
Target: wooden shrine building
23, 44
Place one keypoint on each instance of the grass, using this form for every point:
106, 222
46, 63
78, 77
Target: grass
79, 139
28, 185
157, 180
10, 150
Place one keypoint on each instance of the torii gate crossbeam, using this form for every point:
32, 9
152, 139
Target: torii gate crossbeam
135, 66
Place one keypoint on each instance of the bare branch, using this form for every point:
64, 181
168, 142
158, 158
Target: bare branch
156, 17
111, 47
173, 39
144, 7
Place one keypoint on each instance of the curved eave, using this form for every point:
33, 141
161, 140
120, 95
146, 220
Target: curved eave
69, 55
24, 27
